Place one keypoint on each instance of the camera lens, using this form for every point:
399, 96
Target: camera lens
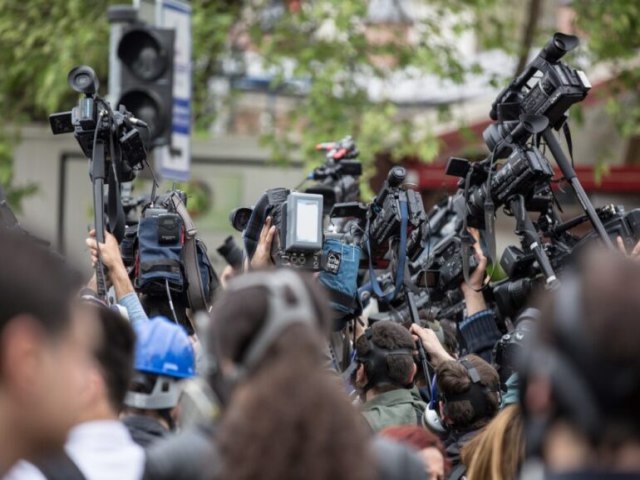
83, 80
397, 176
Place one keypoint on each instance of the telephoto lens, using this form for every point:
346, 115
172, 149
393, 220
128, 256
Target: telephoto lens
231, 253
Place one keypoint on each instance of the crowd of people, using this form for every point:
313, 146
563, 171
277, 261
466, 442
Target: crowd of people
93, 390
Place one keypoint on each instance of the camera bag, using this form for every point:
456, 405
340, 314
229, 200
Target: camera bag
171, 256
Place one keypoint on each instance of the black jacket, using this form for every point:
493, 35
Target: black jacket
144, 430
189, 455
454, 443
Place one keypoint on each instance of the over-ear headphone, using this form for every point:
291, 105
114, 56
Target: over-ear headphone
477, 393
375, 362
282, 312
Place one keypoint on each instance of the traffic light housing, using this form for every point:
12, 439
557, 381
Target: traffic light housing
146, 85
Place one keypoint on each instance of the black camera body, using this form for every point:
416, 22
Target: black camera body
338, 180
114, 129
526, 172
385, 219
558, 87
444, 269
233, 254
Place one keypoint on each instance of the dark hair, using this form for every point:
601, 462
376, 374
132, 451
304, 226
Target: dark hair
158, 306
603, 352
453, 379
36, 282
114, 354
292, 418
390, 336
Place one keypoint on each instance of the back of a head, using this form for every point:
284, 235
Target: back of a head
239, 315
498, 451
114, 354
35, 282
587, 350
396, 369
289, 417
468, 404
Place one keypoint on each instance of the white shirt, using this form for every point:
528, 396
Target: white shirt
102, 450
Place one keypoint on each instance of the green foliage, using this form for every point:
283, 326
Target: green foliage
41, 41
13, 193
330, 43
612, 30
327, 41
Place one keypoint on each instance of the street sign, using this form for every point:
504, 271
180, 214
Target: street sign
174, 162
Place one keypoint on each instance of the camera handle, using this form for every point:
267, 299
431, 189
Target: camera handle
530, 239
422, 355
570, 174
98, 174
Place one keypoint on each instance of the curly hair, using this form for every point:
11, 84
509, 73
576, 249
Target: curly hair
390, 336
291, 418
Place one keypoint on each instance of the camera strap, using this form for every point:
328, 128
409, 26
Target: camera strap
195, 287
566, 130
402, 258
465, 237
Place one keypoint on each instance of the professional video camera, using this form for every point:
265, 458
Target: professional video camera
113, 134
531, 106
114, 146
526, 173
338, 179
395, 213
557, 86
298, 218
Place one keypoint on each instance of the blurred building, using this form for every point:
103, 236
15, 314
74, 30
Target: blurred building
232, 168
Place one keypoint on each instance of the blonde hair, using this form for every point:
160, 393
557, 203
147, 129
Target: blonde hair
498, 451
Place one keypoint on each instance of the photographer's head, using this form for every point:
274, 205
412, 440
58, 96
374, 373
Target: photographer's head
259, 317
581, 377
268, 335
113, 342
385, 358
43, 352
469, 392
164, 357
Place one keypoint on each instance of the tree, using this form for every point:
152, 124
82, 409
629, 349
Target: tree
612, 31
330, 42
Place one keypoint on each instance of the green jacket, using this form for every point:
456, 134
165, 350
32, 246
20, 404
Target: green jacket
396, 407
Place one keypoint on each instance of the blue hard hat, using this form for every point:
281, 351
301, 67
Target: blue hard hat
164, 348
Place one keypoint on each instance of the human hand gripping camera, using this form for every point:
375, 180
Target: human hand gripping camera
472, 291
112, 259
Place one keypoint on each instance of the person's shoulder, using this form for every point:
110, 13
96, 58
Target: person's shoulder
191, 454
395, 461
24, 470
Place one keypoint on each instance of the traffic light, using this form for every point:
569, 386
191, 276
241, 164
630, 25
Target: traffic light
146, 86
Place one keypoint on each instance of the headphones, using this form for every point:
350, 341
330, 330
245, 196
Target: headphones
375, 363
281, 314
476, 394
431, 418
